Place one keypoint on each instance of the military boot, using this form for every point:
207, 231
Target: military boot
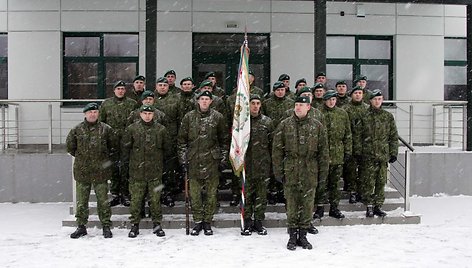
302, 241
352, 198
379, 212
81, 231
107, 232
259, 228
197, 228
247, 227
207, 228
134, 231
157, 229
234, 201
115, 200
319, 212
292, 241
312, 229
335, 213
369, 212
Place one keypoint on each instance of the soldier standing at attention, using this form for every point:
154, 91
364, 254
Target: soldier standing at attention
321, 78
380, 147
318, 92
341, 90
171, 76
90, 142
215, 89
285, 79
115, 111
186, 96
139, 84
147, 98
145, 145
202, 148
361, 81
300, 159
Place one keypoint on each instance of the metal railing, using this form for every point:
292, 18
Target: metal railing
399, 174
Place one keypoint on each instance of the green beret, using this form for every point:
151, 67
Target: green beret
146, 108
140, 78
147, 93
277, 85
375, 93
360, 77
162, 80
303, 90
90, 106
205, 93
303, 80
318, 85
210, 74
303, 99
355, 89
320, 74
254, 97
119, 83
329, 94
283, 77
205, 83
340, 83
170, 72
186, 79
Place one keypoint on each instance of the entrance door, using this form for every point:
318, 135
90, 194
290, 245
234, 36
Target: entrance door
220, 53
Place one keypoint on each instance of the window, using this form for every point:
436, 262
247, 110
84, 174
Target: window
455, 69
93, 62
3, 66
350, 56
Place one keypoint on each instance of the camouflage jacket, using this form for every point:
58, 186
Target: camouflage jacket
159, 116
132, 94
356, 111
174, 89
115, 112
300, 152
275, 108
313, 113
379, 135
185, 104
342, 101
91, 145
169, 105
220, 92
317, 103
338, 128
217, 104
257, 159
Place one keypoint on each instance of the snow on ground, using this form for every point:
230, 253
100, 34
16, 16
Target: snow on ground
32, 236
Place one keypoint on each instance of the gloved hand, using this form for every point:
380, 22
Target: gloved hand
184, 168
392, 159
280, 179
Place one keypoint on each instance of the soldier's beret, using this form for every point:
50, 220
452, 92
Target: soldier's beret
318, 85
119, 83
375, 93
169, 72
90, 106
283, 77
303, 90
205, 83
146, 108
162, 80
186, 79
277, 85
205, 93
210, 74
139, 77
254, 97
303, 99
251, 72
340, 83
361, 77
329, 94
302, 80
355, 89
320, 74
147, 93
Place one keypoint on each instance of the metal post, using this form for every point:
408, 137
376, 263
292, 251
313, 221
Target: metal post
434, 126
4, 130
17, 127
50, 127
449, 126
410, 130
407, 180
464, 128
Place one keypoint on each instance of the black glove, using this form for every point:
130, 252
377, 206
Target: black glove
280, 179
392, 159
184, 168
347, 157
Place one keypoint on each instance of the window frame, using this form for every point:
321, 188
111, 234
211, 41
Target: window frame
454, 63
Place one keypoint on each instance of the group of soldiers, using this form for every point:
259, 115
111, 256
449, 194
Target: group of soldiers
302, 142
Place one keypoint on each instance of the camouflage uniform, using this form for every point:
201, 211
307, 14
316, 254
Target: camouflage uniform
342, 101
317, 103
174, 89
380, 143
300, 155
91, 145
144, 148
313, 113
115, 112
218, 91
159, 117
203, 140
132, 94
185, 104
217, 104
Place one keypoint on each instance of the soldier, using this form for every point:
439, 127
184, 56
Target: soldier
230, 101
171, 76
318, 91
315, 113
217, 103
147, 98
257, 162
361, 81
115, 111
285, 79
139, 84
341, 90
215, 89
321, 78
203, 140
356, 110
90, 142
186, 95
301, 83
300, 160
380, 147
338, 129
145, 145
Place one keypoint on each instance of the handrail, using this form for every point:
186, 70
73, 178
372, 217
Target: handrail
411, 148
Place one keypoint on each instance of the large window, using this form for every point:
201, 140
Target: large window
350, 56
3, 66
455, 69
93, 62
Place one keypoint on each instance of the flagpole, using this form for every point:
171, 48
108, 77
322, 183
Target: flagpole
243, 198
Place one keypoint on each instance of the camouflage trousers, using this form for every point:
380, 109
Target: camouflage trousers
351, 175
256, 198
171, 177
299, 206
203, 193
138, 190
373, 178
83, 194
119, 181
332, 185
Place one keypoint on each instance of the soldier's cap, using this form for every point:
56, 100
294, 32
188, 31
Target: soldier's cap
320, 74
251, 72
205, 93
303, 90
162, 80
119, 83
147, 93
205, 83
186, 79
254, 97
375, 93
140, 78
170, 72
303, 99
283, 77
318, 85
355, 89
360, 77
342, 82
90, 106
146, 108
277, 85
329, 94
301, 80
210, 74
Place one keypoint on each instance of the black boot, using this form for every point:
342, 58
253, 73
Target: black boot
335, 213
126, 201
197, 228
115, 200
369, 212
358, 197
157, 229
107, 232
379, 212
302, 241
353, 198
312, 229
259, 228
247, 227
292, 241
207, 228
134, 231
234, 201
319, 212
81, 231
